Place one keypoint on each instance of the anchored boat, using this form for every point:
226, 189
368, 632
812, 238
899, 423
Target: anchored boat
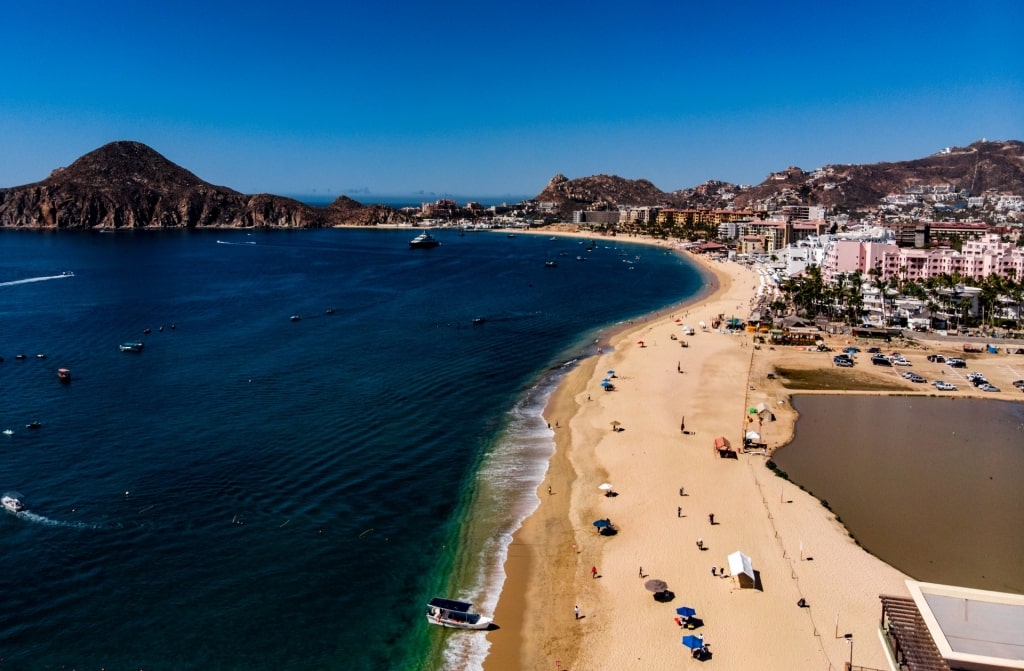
455, 614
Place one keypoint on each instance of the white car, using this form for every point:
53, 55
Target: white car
942, 385
900, 361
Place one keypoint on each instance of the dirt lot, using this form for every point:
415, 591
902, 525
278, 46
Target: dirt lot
779, 372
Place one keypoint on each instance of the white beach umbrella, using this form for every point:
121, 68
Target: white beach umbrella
606, 486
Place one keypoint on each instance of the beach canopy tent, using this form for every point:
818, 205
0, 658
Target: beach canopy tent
742, 569
762, 408
723, 447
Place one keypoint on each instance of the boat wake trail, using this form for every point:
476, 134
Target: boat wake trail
29, 280
46, 521
236, 244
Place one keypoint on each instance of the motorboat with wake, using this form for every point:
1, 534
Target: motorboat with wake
12, 502
455, 614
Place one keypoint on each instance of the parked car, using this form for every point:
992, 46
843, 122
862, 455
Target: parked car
988, 387
874, 350
956, 363
844, 363
917, 378
881, 360
900, 361
851, 350
936, 358
942, 385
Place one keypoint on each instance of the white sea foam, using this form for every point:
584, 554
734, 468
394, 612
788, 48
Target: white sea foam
29, 280
46, 521
507, 485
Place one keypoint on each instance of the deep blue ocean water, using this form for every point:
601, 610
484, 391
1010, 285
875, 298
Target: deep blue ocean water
252, 492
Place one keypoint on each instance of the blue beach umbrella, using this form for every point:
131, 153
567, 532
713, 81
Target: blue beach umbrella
603, 524
685, 611
693, 642
611, 372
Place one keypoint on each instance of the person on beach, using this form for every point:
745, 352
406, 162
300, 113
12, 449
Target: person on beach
641, 571
681, 490
713, 571
593, 571
711, 518
576, 611
700, 543
679, 511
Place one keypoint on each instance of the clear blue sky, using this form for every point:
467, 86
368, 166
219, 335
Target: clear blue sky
491, 98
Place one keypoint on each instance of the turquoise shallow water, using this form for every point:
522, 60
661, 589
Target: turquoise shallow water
252, 492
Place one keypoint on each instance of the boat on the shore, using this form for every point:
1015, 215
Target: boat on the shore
423, 241
135, 346
12, 502
455, 614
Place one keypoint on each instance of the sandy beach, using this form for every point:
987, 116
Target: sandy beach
797, 547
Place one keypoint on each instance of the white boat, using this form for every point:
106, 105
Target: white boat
11, 502
455, 614
423, 241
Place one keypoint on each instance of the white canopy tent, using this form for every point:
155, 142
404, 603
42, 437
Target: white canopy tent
742, 569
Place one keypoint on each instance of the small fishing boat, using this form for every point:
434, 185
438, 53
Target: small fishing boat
34, 425
551, 264
135, 346
64, 375
295, 318
455, 614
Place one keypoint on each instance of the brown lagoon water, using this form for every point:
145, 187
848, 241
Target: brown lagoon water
933, 486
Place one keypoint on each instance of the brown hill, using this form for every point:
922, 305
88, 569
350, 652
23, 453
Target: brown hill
980, 167
129, 185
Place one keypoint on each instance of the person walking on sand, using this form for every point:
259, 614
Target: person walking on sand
641, 571
679, 511
713, 571
711, 518
700, 543
593, 571
576, 611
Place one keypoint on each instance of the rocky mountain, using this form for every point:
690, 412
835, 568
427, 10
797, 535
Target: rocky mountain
975, 169
980, 167
129, 185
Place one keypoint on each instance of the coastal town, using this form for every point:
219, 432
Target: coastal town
664, 530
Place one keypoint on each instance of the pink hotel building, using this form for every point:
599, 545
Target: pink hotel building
978, 259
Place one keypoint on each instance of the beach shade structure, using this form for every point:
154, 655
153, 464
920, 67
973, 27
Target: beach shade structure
611, 372
752, 411
640, 342
602, 524
723, 447
742, 570
685, 611
655, 585
693, 642
753, 436
606, 486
